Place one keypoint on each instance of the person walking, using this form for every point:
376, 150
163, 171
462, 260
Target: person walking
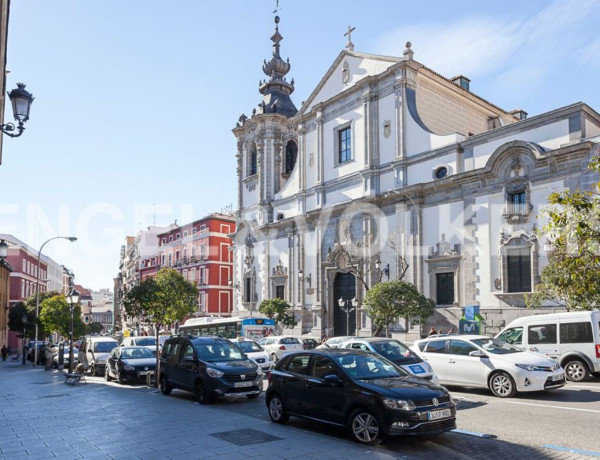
432, 331
4, 352
48, 356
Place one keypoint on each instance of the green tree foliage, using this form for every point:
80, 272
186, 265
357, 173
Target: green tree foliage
55, 316
390, 300
94, 328
15, 319
277, 309
572, 234
161, 300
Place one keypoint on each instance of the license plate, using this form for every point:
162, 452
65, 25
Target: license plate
417, 369
438, 414
557, 377
243, 384
143, 373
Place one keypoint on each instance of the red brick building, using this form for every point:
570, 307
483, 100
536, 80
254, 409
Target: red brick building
200, 251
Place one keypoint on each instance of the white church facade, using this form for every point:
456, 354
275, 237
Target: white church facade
389, 165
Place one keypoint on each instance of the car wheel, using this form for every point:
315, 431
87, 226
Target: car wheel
364, 427
253, 396
201, 393
502, 385
576, 370
276, 410
165, 388
107, 376
92, 369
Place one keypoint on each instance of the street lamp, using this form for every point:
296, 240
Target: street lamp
308, 279
37, 288
3, 249
21, 100
72, 300
24, 321
348, 307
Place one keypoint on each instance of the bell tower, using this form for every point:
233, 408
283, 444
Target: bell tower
266, 141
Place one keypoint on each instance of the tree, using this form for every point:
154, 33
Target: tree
390, 300
572, 233
15, 319
55, 316
161, 300
277, 309
94, 328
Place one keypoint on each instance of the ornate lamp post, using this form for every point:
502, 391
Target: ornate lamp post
37, 289
24, 321
348, 307
72, 300
21, 100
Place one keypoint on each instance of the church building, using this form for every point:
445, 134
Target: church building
390, 170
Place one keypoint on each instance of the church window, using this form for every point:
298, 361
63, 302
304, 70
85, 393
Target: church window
279, 292
516, 202
252, 160
441, 172
445, 288
518, 264
344, 145
248, 289
291, 153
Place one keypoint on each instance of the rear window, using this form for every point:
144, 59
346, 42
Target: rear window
576, 332
290, 341
104, 347
146, 341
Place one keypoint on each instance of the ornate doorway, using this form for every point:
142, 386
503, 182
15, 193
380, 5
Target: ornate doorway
344, 286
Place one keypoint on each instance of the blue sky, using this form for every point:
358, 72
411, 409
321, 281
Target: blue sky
135, 101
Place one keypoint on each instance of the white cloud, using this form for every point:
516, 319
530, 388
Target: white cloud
477, 46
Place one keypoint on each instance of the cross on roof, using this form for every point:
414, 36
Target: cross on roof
350, 45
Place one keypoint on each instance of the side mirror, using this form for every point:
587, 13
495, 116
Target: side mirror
478, 354
333, 380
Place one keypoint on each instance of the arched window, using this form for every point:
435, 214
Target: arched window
291, 153
252, 160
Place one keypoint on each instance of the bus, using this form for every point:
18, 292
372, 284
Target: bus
229, 328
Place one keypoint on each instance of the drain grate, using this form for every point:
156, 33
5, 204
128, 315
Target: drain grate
247, 437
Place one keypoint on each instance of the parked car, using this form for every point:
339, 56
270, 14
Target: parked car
335, 342
94, 353
360, 390
255, 352
129, 364
480, 361
208, 366
277, 346
396, 352
140, 341
309, 343
66, 357
573, 338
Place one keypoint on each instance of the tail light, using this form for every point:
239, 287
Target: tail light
282, 347
597, 351
269, 378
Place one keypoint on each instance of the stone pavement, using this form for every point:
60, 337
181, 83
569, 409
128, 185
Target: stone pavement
41, 417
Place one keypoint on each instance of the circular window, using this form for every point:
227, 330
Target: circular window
441, 172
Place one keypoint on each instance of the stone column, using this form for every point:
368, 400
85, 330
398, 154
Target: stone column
240, 173
278, 155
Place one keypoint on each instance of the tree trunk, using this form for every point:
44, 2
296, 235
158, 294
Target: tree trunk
157, 369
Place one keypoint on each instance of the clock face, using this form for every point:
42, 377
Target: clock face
441, 172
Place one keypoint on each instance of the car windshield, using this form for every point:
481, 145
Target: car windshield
395, 351
145, 342
219, 350
136, 353
247, 346
365, 367
497, 347
104, 347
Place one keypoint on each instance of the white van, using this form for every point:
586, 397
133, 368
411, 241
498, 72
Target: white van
573, 338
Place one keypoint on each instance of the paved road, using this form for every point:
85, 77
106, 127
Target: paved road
41, 417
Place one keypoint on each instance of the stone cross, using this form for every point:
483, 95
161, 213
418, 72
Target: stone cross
350, 45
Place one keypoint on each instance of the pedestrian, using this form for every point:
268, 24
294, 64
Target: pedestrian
451, 330
4, 352
48, 356
432, 331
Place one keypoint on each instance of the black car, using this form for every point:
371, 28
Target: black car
130, 364
209, 367
360, 390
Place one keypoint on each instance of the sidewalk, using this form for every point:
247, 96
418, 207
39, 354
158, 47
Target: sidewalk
42, 417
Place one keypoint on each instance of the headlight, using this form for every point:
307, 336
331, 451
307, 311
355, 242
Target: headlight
259, 370
531, 368
399, 404
127, 367
214, 372
427, 367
